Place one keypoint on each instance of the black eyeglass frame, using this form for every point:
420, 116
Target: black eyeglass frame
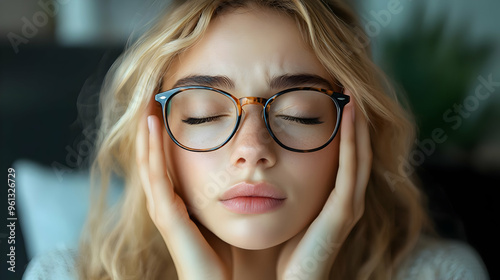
338, 98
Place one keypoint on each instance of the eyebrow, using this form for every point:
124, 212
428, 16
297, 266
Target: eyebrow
297, 80
205, 80
279, 82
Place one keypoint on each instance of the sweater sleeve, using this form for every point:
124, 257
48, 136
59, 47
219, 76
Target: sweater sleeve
443, 260
57, 264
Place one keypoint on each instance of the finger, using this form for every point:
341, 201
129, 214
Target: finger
346, 176
160, 185
171, 208
364, 158
158, 172
142, 154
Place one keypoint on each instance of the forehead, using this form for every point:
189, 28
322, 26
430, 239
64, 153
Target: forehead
248, 43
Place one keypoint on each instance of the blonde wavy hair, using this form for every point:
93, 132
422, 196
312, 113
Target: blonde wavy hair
121, 242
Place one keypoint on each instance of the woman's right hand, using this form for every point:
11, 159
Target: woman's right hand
193, 256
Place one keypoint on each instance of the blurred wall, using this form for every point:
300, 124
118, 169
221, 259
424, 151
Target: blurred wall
445, 55
468, 26
74, 22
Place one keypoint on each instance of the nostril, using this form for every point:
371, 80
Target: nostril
263, 161
240, 161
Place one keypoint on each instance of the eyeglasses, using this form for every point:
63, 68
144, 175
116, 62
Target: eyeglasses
203, 119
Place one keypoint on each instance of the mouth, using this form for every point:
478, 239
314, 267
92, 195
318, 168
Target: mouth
246, 198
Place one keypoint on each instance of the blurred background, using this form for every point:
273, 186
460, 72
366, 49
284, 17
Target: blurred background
443, 55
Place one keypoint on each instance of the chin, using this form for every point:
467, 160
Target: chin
251, 232
251, 236
249, 244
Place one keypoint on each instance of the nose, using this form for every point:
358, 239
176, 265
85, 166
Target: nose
252, 146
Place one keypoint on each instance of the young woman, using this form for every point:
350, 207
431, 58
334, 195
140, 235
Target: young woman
258, 140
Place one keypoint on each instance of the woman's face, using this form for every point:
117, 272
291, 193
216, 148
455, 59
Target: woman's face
251, 47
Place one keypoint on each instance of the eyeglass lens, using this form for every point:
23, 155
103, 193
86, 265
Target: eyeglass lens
204, 119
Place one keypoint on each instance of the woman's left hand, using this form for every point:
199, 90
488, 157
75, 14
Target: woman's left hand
311, 253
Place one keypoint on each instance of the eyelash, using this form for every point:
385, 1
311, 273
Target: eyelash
195, 121
308, 121
301, 120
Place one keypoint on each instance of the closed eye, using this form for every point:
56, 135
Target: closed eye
195, 121
308, 121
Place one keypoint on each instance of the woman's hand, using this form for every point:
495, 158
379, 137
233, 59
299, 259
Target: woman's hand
311, 253
193, 257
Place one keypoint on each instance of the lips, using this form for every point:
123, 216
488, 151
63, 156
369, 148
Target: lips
246, 189
246, 198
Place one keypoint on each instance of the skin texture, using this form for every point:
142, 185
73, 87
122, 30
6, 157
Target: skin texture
252, 156
251, 47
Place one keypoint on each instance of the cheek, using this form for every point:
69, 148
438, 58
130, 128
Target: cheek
193, 174
319, 168
315, 176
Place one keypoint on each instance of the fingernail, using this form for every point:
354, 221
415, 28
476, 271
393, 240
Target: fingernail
150, 123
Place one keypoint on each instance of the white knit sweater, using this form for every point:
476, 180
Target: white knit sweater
431, 260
